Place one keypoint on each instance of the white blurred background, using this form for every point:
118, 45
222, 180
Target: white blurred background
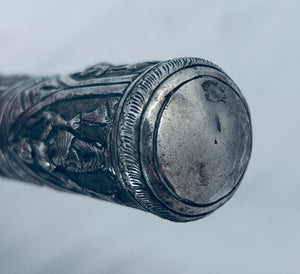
258, 231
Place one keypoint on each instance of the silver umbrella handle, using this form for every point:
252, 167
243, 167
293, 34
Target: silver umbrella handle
172, 138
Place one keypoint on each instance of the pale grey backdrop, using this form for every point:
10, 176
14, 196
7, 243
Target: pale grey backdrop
257, 43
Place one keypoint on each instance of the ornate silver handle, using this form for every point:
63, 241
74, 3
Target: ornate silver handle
172, 138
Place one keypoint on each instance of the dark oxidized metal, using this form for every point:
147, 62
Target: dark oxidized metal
172, 138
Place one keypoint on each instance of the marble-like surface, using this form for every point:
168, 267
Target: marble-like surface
257, 43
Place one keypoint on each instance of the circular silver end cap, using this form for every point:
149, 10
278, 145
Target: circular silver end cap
194, 138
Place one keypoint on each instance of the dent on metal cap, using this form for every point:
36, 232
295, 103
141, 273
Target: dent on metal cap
184, 138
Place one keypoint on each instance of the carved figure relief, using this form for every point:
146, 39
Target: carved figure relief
58, 144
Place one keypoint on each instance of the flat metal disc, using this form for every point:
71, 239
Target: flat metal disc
201, 138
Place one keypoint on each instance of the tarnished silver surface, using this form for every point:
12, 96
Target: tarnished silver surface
172, 138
